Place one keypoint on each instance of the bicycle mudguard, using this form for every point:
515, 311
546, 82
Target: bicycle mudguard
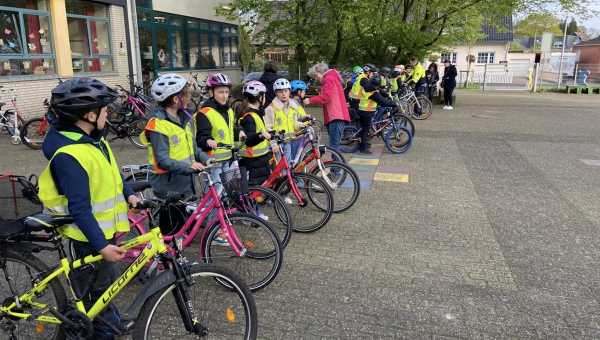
27, 248
161, 281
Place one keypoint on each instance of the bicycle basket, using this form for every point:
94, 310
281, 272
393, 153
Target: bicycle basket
231, 181
18, 199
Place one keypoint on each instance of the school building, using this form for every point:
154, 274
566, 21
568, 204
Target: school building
44, 40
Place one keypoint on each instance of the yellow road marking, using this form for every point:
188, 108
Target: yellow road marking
380, 176
364, 161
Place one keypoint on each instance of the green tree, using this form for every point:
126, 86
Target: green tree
572, 27
245, 48
535, 24
515, 47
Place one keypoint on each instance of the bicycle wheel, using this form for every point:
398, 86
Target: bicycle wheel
10, 122
142, 177
398, 140
266, 202
343, 182
22, 270
329, 154
225, 313
350, 140
264, 253
34, 132
309, 214
426, 109
134, 130
405, 121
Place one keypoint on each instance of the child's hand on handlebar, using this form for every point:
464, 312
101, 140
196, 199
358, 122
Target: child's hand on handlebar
275, 149
212, 144
266, 136
197, 166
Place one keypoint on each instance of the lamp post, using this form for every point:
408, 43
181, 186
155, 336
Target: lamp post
563, 51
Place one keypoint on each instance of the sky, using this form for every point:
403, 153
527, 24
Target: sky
593, 22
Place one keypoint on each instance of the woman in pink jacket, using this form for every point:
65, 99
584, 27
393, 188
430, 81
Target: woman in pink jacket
335, 109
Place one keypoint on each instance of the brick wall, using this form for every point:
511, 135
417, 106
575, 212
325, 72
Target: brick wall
33, 90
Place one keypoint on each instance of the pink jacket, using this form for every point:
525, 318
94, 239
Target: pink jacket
332, 98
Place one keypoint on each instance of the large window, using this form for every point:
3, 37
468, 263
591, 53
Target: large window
171, 42
485, 57
452, 57
26, 46
89, 36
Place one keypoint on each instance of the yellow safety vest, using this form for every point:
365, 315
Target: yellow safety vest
221, 132
367, 104
356, 92
106, 190
285, 122
261, 148
181, 142
394, 83
417, 73
383, 81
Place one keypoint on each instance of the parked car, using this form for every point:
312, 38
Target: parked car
252, 76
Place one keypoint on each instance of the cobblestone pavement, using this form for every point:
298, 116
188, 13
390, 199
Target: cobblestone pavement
495, 236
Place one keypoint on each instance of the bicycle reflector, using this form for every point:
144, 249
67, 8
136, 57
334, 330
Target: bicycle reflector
179, 242
39, 328
230, 316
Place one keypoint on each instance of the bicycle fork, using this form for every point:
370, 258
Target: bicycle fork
184, 302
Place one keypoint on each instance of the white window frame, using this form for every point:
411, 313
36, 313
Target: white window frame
453, 57
490, 55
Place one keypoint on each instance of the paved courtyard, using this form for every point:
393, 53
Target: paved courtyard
495, 234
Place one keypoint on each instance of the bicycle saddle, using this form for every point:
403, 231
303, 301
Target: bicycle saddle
39, 222
2, 104
139, 186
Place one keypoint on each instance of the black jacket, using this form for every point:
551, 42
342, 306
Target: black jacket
204, 127
258, 167
450, 74
377, 97
268, 79
431, 81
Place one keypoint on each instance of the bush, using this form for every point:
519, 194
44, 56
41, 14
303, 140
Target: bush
236, 89
551, 90
470, 87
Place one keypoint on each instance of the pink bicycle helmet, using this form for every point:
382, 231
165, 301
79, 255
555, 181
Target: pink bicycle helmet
218, 79
255, 88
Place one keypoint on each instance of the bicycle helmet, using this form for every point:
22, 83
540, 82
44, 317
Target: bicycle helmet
399, 68
298, 85
254, 88
386, 70
75, 97
218, 79
358, 70
281, 84
370, 68
376, 79
167, 85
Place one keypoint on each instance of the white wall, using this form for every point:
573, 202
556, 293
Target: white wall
203, 9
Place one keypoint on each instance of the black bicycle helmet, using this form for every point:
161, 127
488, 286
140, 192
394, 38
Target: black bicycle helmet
75, 97
370, 68
376, 79
386, 70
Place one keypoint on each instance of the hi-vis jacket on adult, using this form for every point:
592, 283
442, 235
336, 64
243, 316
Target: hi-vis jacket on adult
90, 176
171, 151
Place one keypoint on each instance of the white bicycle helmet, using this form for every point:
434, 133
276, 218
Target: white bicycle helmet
167, 85
255, 88
281, 84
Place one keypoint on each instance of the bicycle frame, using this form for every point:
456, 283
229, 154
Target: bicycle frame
155, 244
281, 165
308, 138
387, 122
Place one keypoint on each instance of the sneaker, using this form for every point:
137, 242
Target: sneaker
263, 216
288, 200
220, 240
445, 107
365, 152
449, 108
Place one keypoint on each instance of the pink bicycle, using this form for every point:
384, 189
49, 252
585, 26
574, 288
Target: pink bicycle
253, 249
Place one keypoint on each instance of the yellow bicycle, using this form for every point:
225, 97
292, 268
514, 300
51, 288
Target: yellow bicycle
184, 300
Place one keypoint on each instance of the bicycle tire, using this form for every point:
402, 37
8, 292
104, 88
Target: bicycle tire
403, 145
30, 262
267, 250
271, 204
341, 184
426, 109
35, 126
350, 140
210, 276
303, 214
405, 121
324, 156
142, 177
134, 130
10, 123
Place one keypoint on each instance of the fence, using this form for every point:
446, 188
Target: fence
509, 76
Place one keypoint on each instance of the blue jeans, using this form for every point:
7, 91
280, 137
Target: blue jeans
286, 149
335, 129
215, 177
295, 145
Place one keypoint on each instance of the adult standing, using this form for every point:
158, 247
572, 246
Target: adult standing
269, 76
448, 83
432, 78
335, 109
417, 75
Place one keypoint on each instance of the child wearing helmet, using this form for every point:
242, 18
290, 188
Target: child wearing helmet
172, 149
81, 172
282, 114
385, 76
357, 70
298, 91
396, 81
356, 91
256, 152
215, 123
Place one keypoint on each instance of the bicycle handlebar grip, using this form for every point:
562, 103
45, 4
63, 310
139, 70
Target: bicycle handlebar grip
173, 197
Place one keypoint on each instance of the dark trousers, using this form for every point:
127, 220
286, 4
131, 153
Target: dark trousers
354, 105
106, 275
419, 88
365, 124
448, 95
430, 92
